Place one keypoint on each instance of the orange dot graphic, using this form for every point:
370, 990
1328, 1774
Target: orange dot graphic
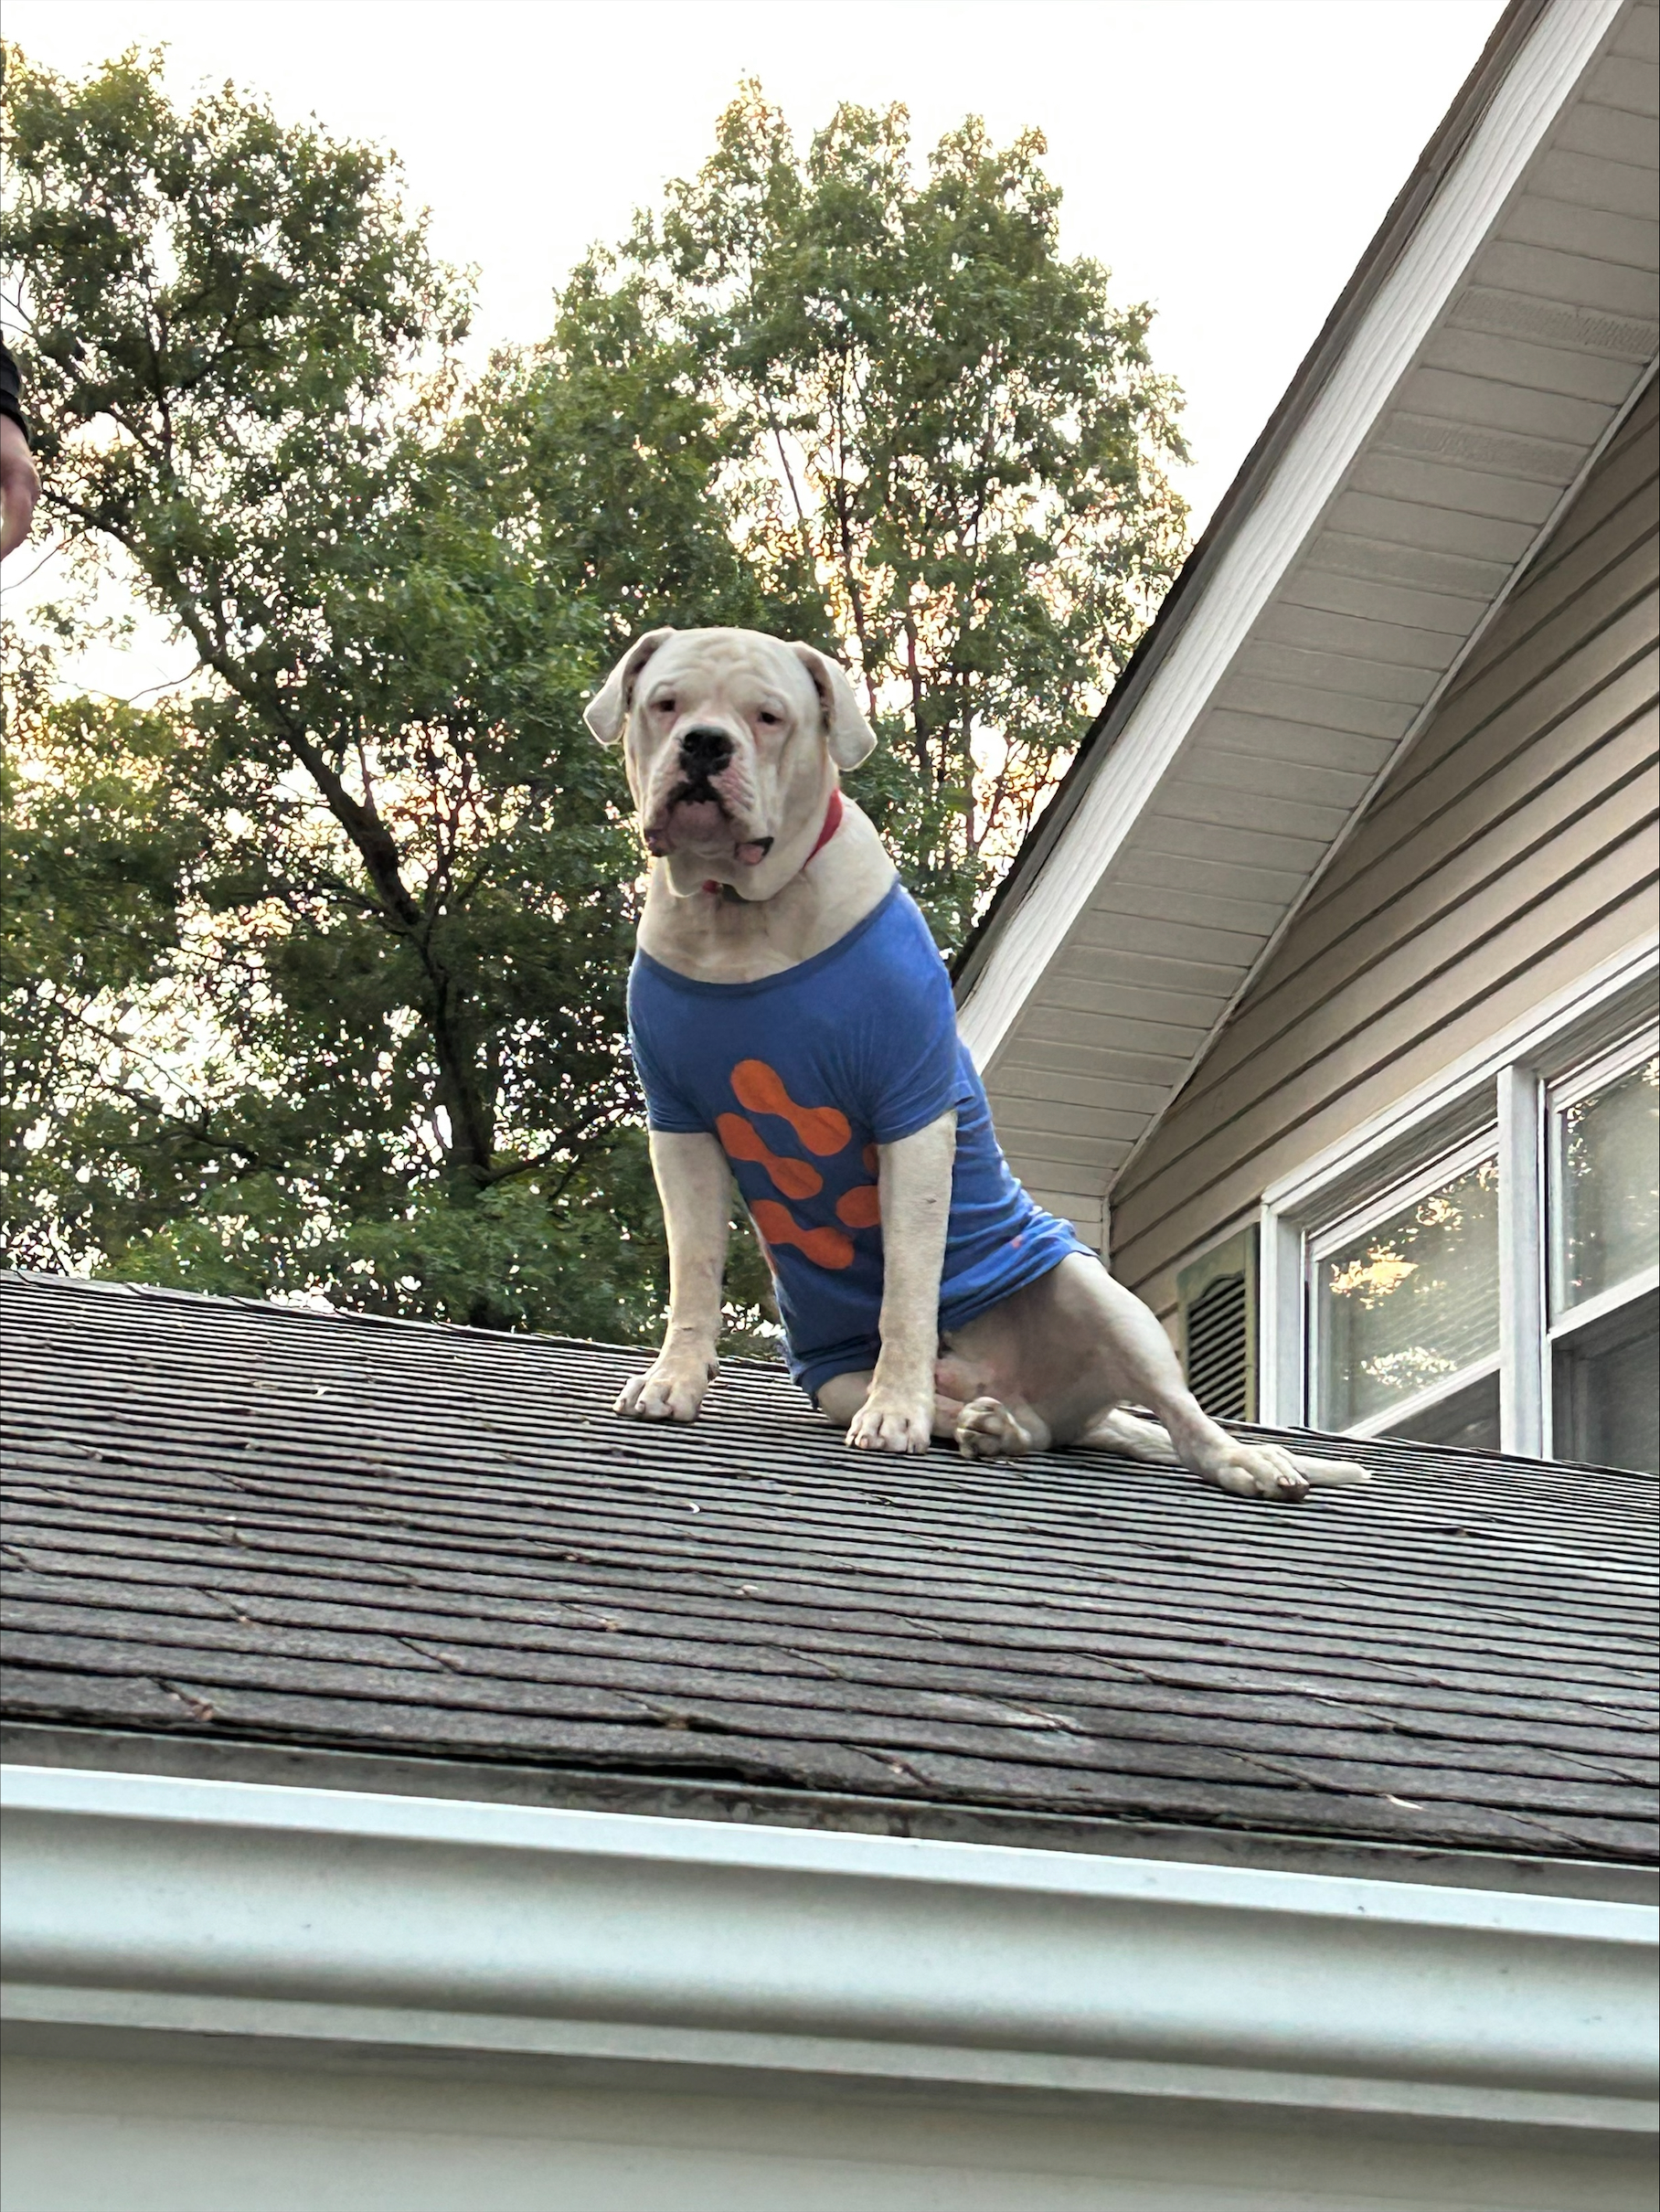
740, 1140
860, 1208
824, 1247
759, 1088
872, 1159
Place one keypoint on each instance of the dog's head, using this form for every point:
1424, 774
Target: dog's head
733, 741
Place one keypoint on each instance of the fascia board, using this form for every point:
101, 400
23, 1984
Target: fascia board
250, 1910
1310, 474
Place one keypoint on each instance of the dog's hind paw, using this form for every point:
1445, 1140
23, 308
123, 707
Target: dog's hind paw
1258, 1471
1332, 1474
986, 1429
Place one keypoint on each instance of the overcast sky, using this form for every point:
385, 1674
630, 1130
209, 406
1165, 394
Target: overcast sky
1228, 159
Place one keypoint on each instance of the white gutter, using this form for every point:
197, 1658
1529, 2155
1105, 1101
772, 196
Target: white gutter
244, 1910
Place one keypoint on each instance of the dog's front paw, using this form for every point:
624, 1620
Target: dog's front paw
893, 1420
669, 1390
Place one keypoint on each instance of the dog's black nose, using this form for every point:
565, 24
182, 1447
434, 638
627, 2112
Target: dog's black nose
704, 749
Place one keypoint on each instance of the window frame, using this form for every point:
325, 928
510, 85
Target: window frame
1511, 1085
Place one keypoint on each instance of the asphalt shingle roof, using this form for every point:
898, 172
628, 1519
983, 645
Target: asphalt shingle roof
252, 1524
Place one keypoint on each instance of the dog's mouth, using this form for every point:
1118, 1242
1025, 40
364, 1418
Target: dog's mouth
694, 815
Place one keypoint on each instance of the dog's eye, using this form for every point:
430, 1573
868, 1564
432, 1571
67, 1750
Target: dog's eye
664, 705
767, 718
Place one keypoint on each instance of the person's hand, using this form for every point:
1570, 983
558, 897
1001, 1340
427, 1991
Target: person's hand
19, 486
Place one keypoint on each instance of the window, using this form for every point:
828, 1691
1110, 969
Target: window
1482, 1268
1604, 1393
1406, 1306
1603, 1177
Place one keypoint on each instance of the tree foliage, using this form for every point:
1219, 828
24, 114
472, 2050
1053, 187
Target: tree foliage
313, 969
316, 977
951, 427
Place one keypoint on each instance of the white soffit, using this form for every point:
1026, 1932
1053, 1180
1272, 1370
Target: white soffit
1472, 393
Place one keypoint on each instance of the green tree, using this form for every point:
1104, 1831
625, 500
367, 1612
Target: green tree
946, 423
315, 975
313, 969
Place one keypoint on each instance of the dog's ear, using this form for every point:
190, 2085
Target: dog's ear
850, 736
608, 709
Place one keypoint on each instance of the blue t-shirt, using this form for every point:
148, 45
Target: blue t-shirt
801, 1076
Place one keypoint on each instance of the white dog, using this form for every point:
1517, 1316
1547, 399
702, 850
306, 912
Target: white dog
792, 1025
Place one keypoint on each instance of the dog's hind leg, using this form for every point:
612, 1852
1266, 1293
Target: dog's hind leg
1248, 1470
1138, 1367
1116, 1430
1127, 1433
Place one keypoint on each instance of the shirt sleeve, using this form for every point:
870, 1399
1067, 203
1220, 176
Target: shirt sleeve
667, 1107
912, 1060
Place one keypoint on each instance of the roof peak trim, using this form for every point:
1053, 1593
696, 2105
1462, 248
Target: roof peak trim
1404, 284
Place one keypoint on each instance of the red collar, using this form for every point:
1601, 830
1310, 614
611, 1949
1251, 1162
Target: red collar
832, 822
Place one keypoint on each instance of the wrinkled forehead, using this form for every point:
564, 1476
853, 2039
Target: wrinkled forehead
727, 667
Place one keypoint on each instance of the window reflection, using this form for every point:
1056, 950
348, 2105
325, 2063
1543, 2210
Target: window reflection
1606, 1406
1465, 1421
1606, 1187
1410, 1302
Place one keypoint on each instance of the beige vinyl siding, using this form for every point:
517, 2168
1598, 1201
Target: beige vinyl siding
186, 2133
1511, 850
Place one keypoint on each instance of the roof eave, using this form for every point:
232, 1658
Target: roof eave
1510, 35
401, 1772
271, 1914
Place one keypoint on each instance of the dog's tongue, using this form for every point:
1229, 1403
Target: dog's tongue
753, 855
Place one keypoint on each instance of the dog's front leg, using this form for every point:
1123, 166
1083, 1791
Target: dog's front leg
695, 1184
898, 1413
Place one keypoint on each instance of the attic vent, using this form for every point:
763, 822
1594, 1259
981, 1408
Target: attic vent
1217, 1295
1217, 1358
